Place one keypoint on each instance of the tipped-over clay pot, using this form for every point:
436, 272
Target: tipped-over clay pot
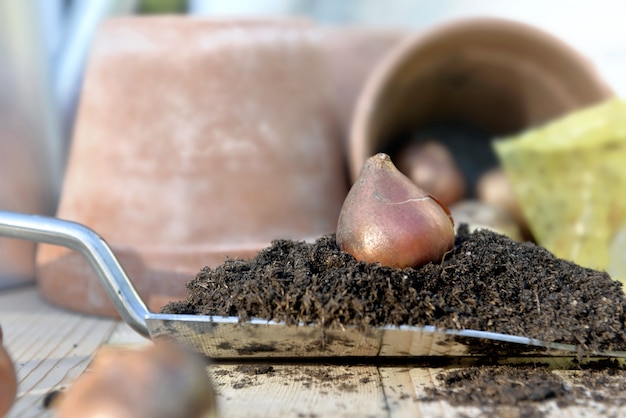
352, 53
196, 140
496, 75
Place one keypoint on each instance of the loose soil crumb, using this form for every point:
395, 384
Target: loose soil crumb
336, 378
504, 385
255, 370
526, 386
490, 390
487, 282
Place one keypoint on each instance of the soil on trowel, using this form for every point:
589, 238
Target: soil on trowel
487, 282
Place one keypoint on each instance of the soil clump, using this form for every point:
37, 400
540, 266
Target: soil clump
486, 282
527, 387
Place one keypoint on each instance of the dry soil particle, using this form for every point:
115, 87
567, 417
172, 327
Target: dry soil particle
324, 378
526, 386
503, 385
487, 282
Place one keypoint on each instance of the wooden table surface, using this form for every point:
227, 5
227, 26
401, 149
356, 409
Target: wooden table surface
51, 347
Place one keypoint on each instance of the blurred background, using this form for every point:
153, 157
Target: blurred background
44, 45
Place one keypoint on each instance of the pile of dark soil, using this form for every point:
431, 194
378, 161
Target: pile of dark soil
487, 282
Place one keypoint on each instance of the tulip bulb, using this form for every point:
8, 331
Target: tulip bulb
433, 168
388, 219
159, 381
8, 380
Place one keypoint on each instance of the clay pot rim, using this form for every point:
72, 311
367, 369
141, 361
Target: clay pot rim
398, 56
221, 21
199, 249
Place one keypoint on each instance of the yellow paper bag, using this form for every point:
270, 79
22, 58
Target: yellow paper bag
570, 179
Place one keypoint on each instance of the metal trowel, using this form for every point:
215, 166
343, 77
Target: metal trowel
224, 338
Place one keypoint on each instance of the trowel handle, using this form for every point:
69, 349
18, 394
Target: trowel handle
95, 250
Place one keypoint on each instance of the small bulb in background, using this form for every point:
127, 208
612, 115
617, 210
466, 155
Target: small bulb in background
432, 167
494, 189
479, 215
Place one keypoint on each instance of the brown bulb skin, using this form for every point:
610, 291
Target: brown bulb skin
8, 380
159, 381
433, 168
494, 188
387, 219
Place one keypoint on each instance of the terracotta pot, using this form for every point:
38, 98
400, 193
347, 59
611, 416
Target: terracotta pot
352, 53
497, 76
196, 140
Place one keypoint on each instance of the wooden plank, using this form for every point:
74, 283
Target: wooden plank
124, 335
423, 378
49, 346
399, 392
263, 390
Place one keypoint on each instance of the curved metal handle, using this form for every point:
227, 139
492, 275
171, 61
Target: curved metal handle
95, 250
